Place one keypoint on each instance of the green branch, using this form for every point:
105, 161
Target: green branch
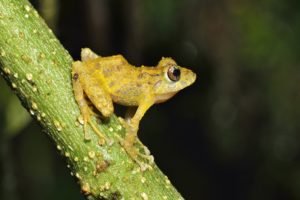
37, 68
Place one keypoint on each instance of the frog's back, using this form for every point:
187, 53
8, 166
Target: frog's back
108, 68
113, 73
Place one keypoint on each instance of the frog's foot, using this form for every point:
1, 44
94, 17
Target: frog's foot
85, 121
145, 160
102, 137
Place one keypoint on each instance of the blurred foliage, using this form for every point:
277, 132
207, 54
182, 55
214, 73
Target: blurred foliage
15, 116
232, 135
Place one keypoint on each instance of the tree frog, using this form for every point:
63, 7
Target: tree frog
102, 81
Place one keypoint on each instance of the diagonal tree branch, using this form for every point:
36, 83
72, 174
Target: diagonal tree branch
37, 68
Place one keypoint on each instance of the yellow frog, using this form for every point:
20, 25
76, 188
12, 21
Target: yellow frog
104, 80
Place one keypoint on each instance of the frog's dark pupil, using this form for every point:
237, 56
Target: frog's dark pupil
176, 73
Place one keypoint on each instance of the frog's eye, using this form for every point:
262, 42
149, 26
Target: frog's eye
174, 73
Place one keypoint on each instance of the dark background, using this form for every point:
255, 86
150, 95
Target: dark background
233, 134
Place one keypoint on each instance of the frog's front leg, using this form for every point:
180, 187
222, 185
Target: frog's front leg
84, 83
132, 129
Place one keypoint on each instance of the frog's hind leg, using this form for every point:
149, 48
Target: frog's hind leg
81, 100
95, 93
84, 84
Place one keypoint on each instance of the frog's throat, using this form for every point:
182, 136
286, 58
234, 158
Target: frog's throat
160, 98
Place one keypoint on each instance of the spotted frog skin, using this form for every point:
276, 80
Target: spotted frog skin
103, 81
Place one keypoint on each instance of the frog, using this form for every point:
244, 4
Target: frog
100, 82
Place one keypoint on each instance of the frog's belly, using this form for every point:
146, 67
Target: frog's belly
160, 98
136, 99
127, 95
125, 101
132, 99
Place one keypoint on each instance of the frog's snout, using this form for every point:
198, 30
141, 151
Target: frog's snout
194, 77
191, 77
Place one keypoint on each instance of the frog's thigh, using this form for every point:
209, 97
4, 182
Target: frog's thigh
98, 96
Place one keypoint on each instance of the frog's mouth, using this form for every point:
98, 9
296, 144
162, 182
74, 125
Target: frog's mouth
160, 98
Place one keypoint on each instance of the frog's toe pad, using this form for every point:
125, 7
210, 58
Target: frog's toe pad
145, 160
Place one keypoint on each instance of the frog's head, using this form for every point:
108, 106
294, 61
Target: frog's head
174, 78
